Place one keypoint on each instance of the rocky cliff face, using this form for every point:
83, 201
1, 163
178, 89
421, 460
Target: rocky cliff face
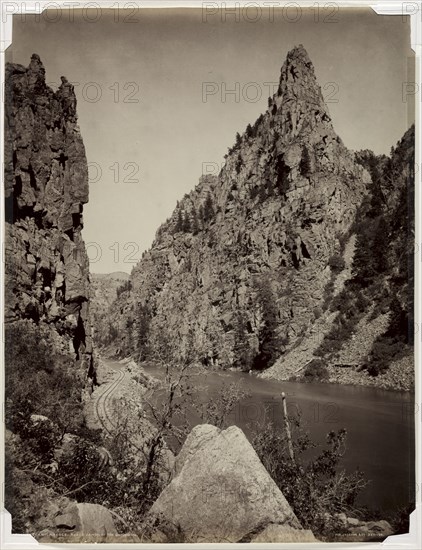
105, 288
257, 236
46, 186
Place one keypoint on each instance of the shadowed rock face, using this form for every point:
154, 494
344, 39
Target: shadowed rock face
287, 193
46, 185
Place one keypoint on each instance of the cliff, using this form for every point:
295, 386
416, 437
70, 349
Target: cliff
46, 186
239, 269
105, 289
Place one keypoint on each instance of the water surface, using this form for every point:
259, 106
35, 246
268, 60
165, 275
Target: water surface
379, 424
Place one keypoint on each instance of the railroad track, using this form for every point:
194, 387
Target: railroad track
101, 406
101, 403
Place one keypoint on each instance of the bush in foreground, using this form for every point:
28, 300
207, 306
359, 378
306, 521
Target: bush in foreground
316, 488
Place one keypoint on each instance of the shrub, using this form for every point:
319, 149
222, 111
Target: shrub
39, 381
124, 287
305, 163
315, 370
269, 341
283, 171
317, 311
217, 411
254, 192
315, 488
383, 351
79, 470
208, 212
336, 263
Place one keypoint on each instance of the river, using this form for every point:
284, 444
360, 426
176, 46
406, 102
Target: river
379, 424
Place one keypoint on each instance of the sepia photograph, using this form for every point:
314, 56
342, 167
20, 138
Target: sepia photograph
209, 273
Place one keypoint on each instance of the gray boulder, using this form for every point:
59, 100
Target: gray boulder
220, 492
86, 521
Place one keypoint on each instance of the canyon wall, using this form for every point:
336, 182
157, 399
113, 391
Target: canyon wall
46, 186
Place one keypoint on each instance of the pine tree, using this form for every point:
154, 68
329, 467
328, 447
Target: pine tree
208, 209
186, 227
241, 347
195, 224
179, 223
381, 245
283, 171
238, 140
363, 260
201, 214
144, 320
262, 193
269, 342
305, 163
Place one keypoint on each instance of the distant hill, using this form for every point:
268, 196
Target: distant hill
116, 275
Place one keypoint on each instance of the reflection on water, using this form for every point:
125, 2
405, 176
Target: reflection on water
379, 424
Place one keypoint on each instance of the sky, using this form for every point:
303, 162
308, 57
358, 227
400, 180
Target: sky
154, 102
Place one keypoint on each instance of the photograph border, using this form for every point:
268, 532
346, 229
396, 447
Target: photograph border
411, 9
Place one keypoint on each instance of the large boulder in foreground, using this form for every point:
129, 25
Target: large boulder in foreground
220, 492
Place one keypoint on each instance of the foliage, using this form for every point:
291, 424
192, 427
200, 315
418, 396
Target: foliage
305, 163
217, 410
269, 341
283, 171
179, 223
144, 321
23, 497
315, 487
242, 351
399, 519
336, 263
382, 268
208, 209
262, 193
186, 224
79, 469
38, 381
126, 286
42, 459
315, 371
43, 402
195, 222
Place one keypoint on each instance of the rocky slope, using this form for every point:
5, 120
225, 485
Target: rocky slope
250, 247
46, 186
365, 333
105, 288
